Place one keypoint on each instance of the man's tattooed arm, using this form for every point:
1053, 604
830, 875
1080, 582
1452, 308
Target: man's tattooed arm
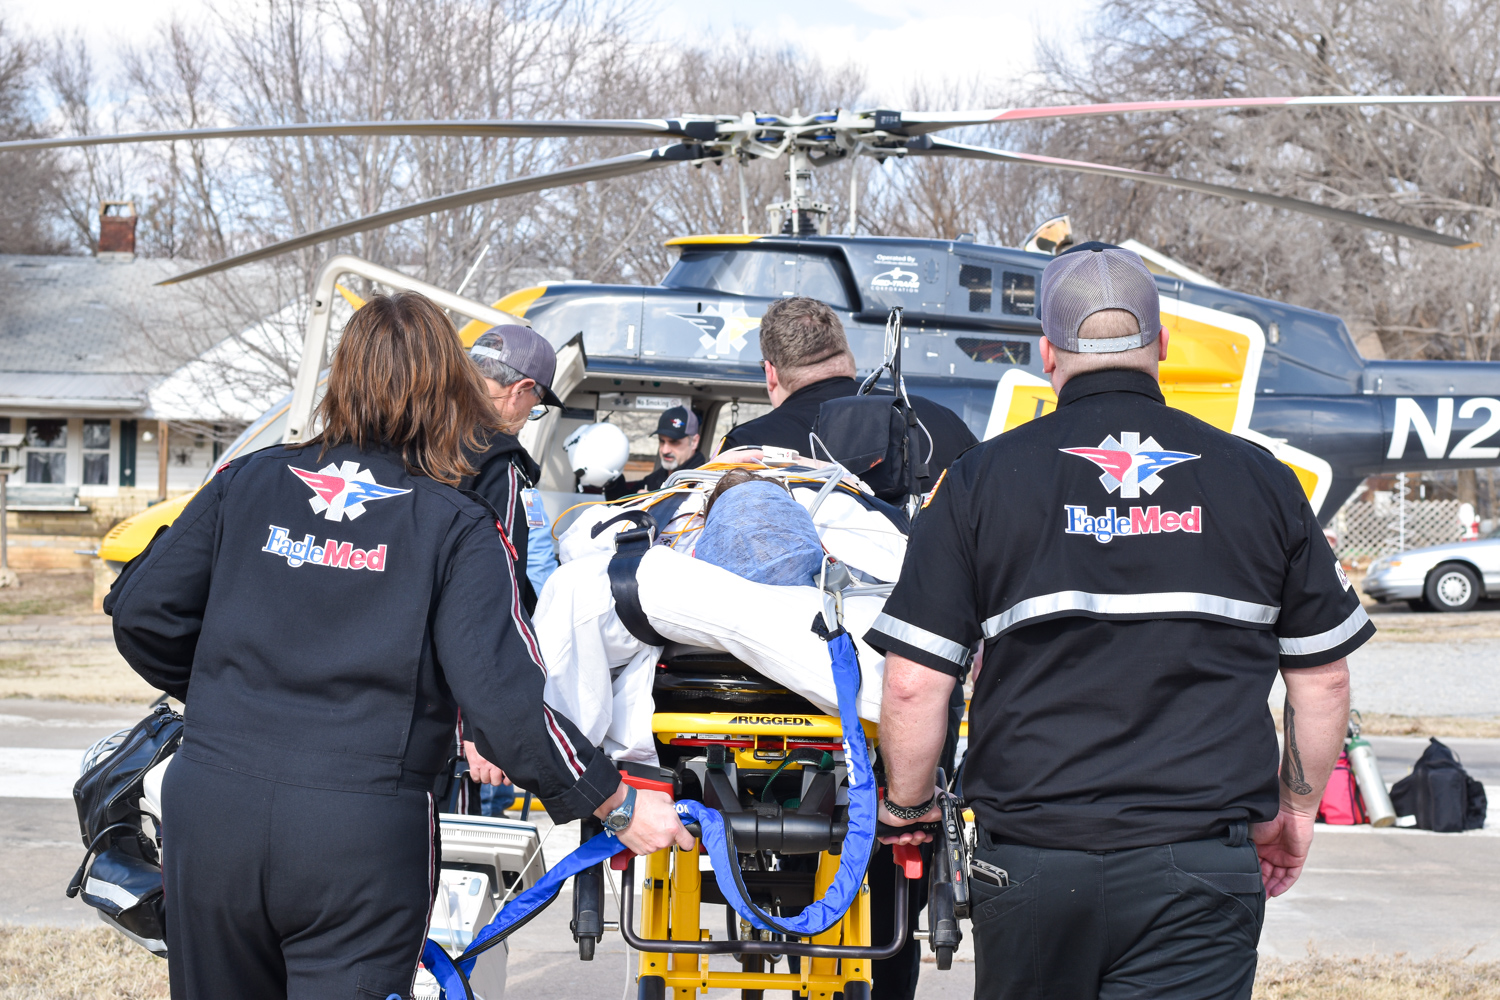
1292, 774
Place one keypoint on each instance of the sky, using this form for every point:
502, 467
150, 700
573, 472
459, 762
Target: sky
895, 41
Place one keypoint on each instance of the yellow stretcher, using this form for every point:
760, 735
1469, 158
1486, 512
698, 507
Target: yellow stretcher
765, 759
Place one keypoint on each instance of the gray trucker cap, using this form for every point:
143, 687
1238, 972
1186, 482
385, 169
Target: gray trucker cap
523, 349
1092, 277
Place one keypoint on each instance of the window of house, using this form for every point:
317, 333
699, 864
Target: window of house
46, 451
1018, 294
96, 452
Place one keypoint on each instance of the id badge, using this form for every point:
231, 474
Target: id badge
536, 514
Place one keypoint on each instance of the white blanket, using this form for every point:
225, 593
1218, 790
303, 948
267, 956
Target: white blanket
600, 676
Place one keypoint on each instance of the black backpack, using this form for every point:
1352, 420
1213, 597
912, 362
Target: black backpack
877, 437
1440, 793
121, 871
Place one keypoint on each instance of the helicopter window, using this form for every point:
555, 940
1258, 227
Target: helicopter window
999, 352
978, 280
818, 278
738, 272
1018, 295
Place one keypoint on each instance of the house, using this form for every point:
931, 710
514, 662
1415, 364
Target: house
98, 370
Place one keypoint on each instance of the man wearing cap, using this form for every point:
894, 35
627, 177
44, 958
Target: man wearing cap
677, 438
517, 365
1138, 578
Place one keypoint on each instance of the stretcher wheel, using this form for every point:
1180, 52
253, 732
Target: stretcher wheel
857, 991
586, 949
652, 988
944, 957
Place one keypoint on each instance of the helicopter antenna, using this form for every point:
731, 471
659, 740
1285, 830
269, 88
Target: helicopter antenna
853, 194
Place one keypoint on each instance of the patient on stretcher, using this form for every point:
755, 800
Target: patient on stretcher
736, 568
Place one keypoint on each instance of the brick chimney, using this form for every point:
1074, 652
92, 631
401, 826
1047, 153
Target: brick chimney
116, 231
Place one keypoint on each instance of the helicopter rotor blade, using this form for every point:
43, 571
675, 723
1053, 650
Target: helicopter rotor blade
928, 146
923, 122
682, 128
615, 166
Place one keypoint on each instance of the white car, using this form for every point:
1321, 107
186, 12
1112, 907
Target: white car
1450, 577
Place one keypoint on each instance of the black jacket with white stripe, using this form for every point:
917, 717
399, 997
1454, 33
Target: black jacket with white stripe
502, 471
1138, 577
323, 615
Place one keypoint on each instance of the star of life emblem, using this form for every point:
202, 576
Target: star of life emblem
341, 491
1130, 464
722, 332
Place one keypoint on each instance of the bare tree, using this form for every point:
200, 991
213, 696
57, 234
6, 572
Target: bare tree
1434, 166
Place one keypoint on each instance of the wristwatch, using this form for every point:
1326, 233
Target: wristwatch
620, 816
902, 812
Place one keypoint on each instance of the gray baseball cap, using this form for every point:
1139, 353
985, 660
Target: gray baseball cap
1092, 277
523, 349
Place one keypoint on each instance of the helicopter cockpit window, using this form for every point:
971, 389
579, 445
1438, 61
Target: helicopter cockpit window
737, 272
818, 278
979, 281
1018, 294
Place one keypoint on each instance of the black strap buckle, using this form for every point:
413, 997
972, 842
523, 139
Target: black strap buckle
630, 546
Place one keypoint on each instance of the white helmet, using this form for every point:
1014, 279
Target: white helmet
597, 453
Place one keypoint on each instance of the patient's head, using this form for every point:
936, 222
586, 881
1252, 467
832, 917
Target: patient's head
754, 529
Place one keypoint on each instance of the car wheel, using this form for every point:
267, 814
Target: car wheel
1452, 587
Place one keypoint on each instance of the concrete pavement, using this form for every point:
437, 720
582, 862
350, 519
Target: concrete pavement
1364, 891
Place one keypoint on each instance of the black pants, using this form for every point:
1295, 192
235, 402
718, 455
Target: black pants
278, 891
1175, 922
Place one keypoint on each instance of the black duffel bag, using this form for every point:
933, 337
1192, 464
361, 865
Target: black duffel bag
121, 871
1440, 793
878, 439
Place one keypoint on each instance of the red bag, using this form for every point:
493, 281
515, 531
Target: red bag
1342, 804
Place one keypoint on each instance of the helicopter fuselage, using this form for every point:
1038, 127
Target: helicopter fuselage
970, 318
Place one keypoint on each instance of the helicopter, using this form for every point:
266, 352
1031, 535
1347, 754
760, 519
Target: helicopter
1287, 377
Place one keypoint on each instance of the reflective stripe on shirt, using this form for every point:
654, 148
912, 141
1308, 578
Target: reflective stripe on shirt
1122, 605
921, 639
1307, 645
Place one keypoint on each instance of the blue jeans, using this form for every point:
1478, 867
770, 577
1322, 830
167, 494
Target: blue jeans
495, 799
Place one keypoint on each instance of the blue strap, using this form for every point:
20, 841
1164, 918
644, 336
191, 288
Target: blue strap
858, 842
520, 909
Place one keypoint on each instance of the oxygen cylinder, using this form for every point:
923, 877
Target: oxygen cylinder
1371, 784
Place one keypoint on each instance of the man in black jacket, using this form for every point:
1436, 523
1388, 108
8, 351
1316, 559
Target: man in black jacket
518, 366
808, 362
677, 439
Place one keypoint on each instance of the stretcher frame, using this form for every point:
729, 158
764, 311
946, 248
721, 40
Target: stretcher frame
675, 948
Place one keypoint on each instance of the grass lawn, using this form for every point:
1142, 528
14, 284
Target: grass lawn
43, 963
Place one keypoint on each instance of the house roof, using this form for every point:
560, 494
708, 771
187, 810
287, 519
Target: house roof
78, 333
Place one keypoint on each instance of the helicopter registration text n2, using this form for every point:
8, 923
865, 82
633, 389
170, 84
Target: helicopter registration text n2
1431, 420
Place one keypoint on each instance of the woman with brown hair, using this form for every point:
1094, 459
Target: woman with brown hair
322, 610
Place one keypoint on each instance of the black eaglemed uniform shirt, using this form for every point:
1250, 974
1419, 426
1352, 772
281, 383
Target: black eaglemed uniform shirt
788, 425
504, 469
1138, 577
321, 614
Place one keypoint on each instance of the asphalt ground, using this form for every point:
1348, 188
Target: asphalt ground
1364, 891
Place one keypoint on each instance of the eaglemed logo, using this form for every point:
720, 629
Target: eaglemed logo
1135, 521
339, 555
